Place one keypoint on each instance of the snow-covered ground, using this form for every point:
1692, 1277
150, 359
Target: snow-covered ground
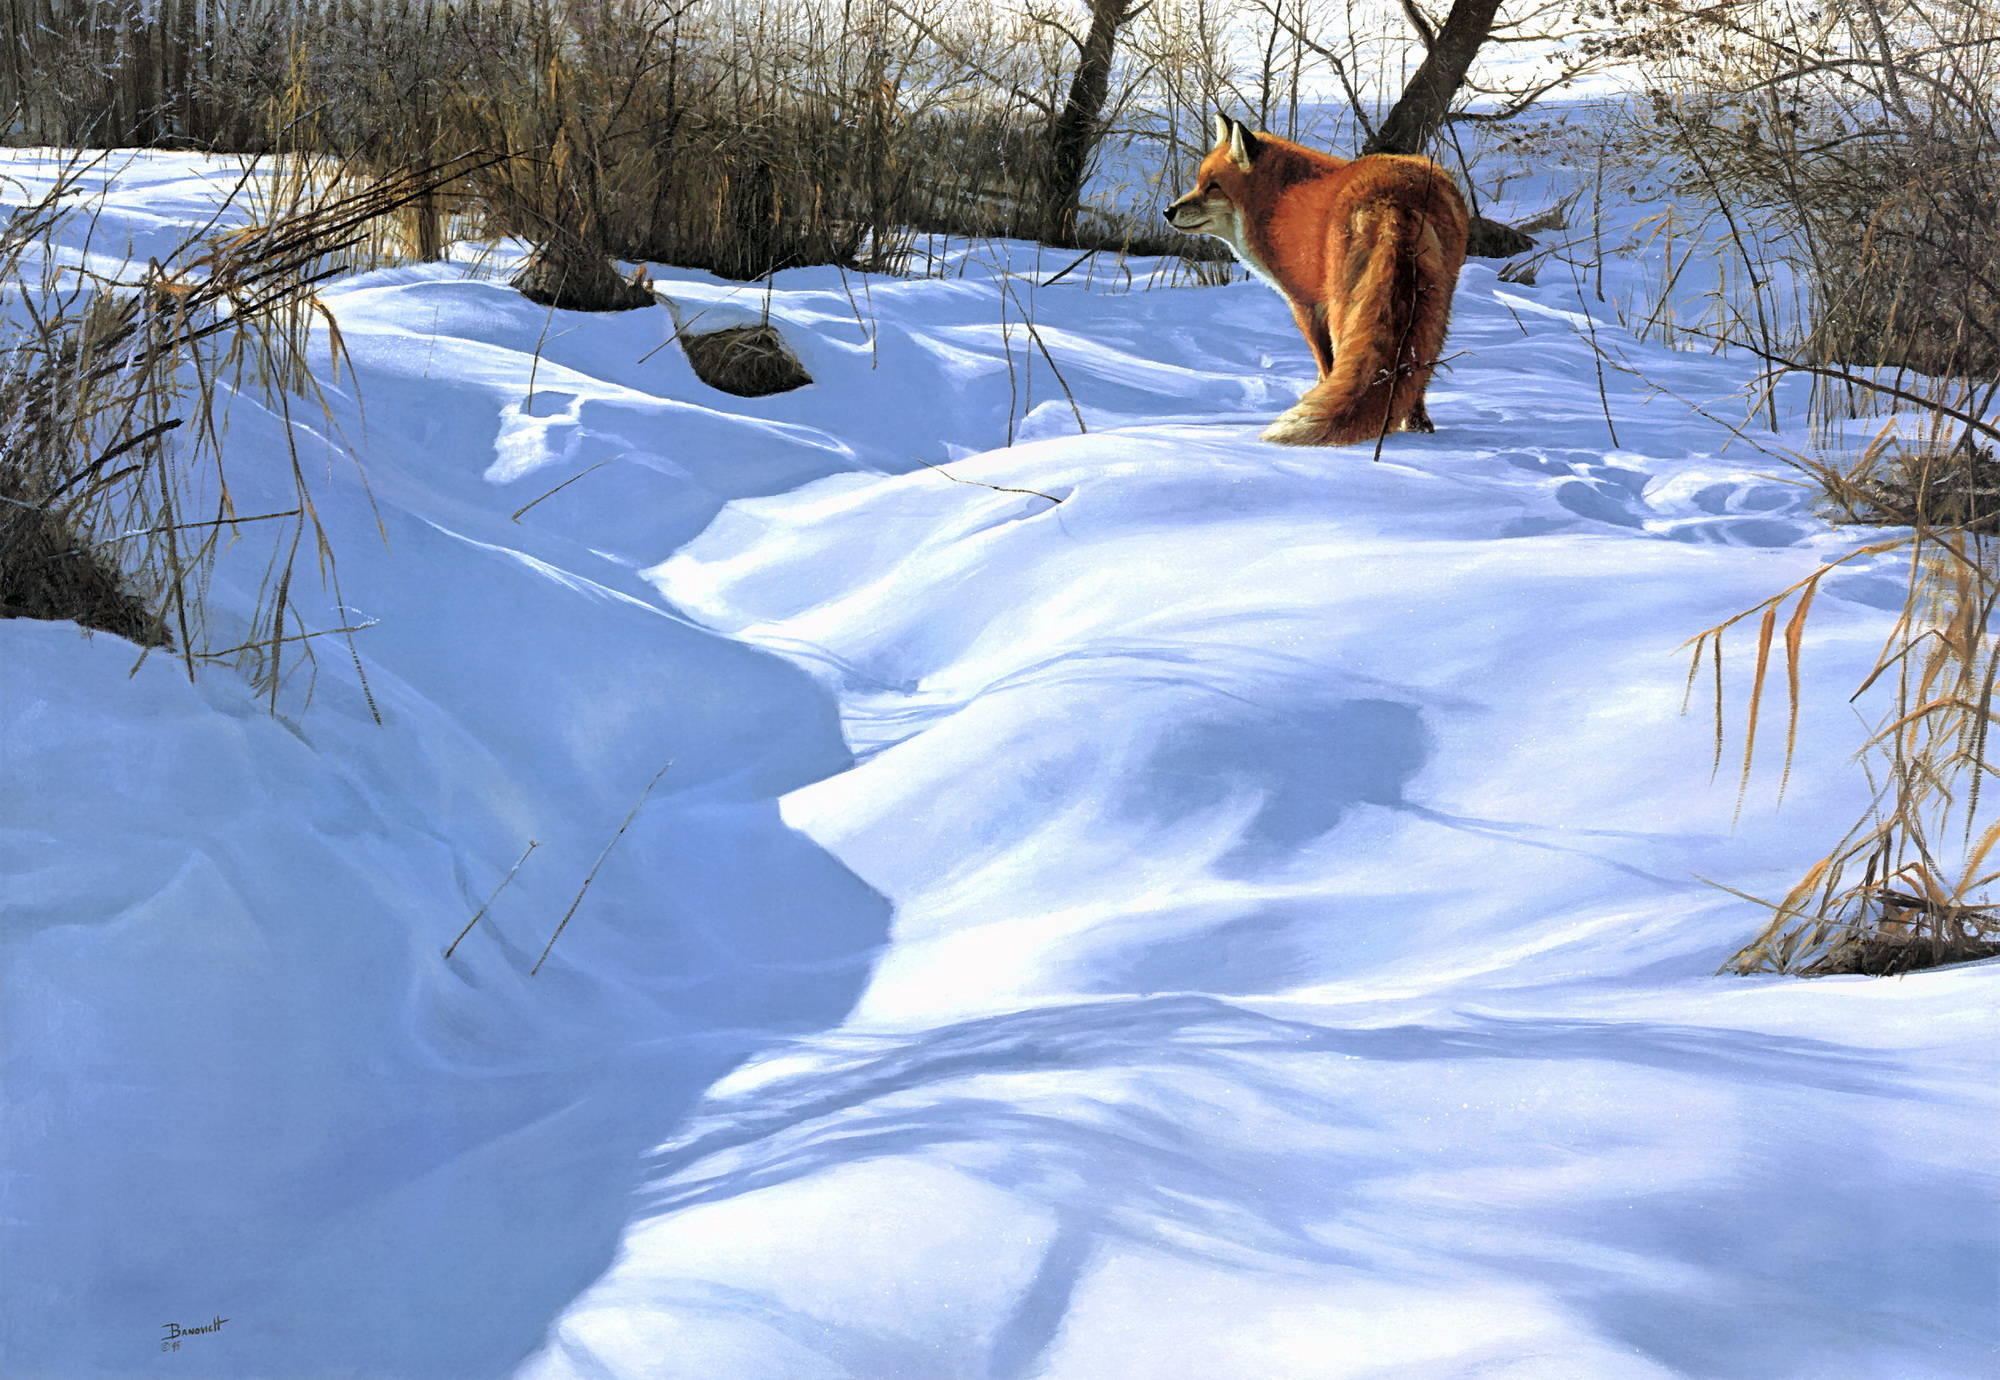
1193, 910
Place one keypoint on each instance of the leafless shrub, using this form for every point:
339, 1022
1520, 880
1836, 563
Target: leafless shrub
1863, 136
738, 136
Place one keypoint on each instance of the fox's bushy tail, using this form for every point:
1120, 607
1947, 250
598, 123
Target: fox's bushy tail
1388, 337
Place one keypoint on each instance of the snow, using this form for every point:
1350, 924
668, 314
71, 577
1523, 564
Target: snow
1242, 919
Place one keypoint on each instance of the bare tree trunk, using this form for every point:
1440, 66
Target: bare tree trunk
1420, 113
1426, 101
1074, 132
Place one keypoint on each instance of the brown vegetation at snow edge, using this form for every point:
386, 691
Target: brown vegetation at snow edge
1865, 138
731, 135
117, 502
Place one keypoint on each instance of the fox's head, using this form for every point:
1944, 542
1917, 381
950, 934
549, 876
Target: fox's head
1215, 205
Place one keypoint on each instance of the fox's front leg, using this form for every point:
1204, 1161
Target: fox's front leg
1311, 317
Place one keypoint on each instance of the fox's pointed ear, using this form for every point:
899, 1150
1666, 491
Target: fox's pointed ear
1223, 126
1242, 144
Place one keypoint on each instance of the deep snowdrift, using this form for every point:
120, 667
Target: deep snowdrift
1241, 920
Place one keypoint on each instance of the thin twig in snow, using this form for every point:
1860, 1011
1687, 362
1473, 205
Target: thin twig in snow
634, 814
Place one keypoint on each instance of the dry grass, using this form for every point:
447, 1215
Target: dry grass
1894, 484
118, 500
1852, 150
50, 566
1907, 884
749, 361
1908, 878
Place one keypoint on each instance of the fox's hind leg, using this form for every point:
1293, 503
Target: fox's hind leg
1419, 419
1312, 325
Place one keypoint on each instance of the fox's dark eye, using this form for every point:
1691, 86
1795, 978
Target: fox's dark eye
1212, 187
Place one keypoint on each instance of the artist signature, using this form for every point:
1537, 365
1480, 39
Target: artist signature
175, 1331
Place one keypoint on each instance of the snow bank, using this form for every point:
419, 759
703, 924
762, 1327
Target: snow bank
1191, 908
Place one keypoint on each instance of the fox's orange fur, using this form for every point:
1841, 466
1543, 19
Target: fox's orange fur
1366, 251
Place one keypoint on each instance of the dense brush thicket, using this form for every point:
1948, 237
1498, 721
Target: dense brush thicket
1868, 134
739, 136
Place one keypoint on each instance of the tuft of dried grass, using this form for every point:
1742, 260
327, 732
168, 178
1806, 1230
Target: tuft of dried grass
1852, 150
117, 493
1893, 484
1928, 761
1880, 951
570, 277
749, 361
51, 570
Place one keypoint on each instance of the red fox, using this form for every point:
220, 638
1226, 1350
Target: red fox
1366, 251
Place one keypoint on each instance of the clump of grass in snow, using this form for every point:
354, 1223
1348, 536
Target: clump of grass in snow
116, 486
749, 361
1905, 887
1896, 484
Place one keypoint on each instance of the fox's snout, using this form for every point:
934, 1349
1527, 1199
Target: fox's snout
1197, 214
